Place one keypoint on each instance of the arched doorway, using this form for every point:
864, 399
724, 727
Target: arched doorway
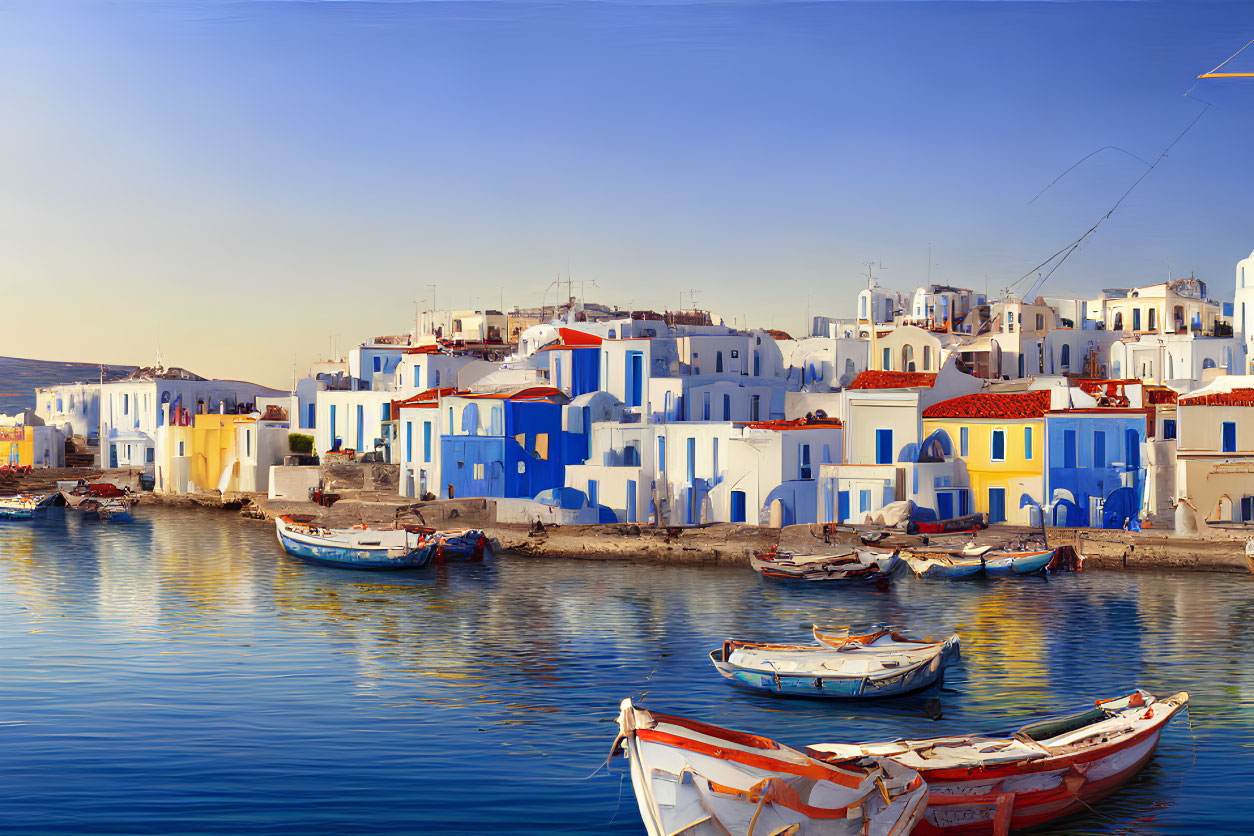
776, 516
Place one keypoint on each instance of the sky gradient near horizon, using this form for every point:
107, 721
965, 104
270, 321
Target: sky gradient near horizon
240, 183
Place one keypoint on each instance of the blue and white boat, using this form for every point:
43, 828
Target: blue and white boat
984, 561
882, 663
354, 548
24, 506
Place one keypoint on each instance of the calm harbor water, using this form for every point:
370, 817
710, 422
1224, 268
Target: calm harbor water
181, 675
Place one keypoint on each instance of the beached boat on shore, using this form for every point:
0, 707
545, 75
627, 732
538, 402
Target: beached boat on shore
694, 778
880, 664
989, 785
24, 506
851, 563
354, 548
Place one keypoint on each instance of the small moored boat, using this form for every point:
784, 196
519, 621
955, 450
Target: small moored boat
109, 510
853, 563
989, 785
950, 565
353, 548
89, 491
879, 664
24, 506
470, 544
694, 778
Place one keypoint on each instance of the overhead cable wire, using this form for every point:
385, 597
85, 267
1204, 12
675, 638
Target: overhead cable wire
1214, 74
1066, 251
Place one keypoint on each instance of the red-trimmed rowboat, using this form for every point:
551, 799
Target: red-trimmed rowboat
991, 785
696, 779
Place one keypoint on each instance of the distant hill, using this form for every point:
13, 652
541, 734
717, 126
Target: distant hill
19, 378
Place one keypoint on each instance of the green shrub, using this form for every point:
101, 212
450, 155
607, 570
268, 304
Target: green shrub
301, 443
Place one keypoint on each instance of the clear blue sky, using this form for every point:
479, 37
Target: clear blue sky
235, 181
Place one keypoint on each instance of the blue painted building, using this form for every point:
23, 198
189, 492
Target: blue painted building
509, 445
1094, 475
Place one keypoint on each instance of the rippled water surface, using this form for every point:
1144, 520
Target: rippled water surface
181, 675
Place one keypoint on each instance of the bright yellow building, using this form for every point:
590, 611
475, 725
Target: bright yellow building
193, 458
1002, 440
17, 446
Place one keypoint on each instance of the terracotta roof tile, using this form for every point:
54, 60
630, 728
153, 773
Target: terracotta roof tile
1237, 397
986, 405
795, 424
892, 380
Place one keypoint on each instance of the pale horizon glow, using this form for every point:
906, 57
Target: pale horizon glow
240, 184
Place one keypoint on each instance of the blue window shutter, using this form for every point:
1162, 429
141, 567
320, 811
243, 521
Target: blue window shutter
999, 445
1068, 449
1230, 437
1027, 442
962, 441
1099, 449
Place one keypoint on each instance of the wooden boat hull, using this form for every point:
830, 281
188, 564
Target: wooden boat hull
994, 564
1035, 787
1018, 563
951, 571
107, 510
697, 779
913, 676
869, 567
327, 552
470, 545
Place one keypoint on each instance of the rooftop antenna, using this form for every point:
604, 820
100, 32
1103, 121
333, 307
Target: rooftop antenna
433, 289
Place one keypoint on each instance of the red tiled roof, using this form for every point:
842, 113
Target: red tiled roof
892, 380
795, 424
423, 399
571, 337
1237, 397
986, 405
1157, 395
532, 393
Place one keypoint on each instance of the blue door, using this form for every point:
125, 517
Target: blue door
996, 505
1229, 438
692, 460
1068, 449
113, 455
310, 412
361, 430
635, 378
631, 500
737, 506
883, 447
842, 506
945, 505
